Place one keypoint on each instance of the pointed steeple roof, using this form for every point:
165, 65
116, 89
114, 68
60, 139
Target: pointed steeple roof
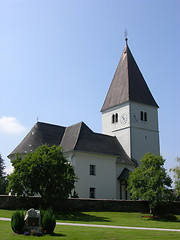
128, 84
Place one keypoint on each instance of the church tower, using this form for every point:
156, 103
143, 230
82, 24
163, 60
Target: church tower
129, 111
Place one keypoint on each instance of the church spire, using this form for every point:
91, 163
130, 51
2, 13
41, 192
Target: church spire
128, 84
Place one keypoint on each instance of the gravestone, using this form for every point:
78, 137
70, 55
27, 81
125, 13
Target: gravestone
32, 220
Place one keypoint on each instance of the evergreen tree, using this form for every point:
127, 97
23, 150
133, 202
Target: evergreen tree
3, 179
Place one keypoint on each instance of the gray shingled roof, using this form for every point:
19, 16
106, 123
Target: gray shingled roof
78, 137
41, 133
124, 174
128, 84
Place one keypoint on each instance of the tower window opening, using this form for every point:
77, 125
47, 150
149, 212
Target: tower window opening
115, 118
145, 116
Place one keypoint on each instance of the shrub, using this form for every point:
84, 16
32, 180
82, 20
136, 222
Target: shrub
17, 221
41, 213
48, 221
171, 217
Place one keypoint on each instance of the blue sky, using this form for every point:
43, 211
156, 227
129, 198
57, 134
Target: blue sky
58, 58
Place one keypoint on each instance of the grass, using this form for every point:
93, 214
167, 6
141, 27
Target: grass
117, 219
100, 218
69, 232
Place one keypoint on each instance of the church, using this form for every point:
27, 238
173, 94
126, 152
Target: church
102, 161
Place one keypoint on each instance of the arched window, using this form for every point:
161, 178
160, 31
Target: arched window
145, 116
113, 118
116, 117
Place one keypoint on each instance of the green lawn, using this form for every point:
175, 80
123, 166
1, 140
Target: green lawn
104, 218
117, 219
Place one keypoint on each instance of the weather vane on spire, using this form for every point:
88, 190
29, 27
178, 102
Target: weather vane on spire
125, 34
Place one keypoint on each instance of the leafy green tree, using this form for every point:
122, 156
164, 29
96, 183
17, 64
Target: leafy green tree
3, 178
176, 171
150, 182
2, 167
44, 171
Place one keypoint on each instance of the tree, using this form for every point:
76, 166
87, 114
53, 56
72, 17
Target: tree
150, 182
176, 171
3, 179
44, 171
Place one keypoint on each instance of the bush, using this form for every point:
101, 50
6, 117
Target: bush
41, 213
17, 221
171, 217
48, 221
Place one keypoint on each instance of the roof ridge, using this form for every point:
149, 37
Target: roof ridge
104, 107
82, 126
38, 122
77, 138
127, 59
151, 101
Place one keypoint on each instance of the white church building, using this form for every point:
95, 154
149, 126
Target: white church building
102, 162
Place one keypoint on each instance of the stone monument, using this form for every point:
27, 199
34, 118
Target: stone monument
33, 220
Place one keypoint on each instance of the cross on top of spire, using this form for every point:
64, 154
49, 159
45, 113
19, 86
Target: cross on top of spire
125, 34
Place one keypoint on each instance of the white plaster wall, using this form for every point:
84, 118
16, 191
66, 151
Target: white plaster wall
152, 116
123, 136
105, 179
137, 137
120, 130
144, 135
107, 126
144, 141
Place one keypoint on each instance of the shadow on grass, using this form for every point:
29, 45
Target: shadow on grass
168, 218
52, 234
165, 220
57, 235
80, 217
